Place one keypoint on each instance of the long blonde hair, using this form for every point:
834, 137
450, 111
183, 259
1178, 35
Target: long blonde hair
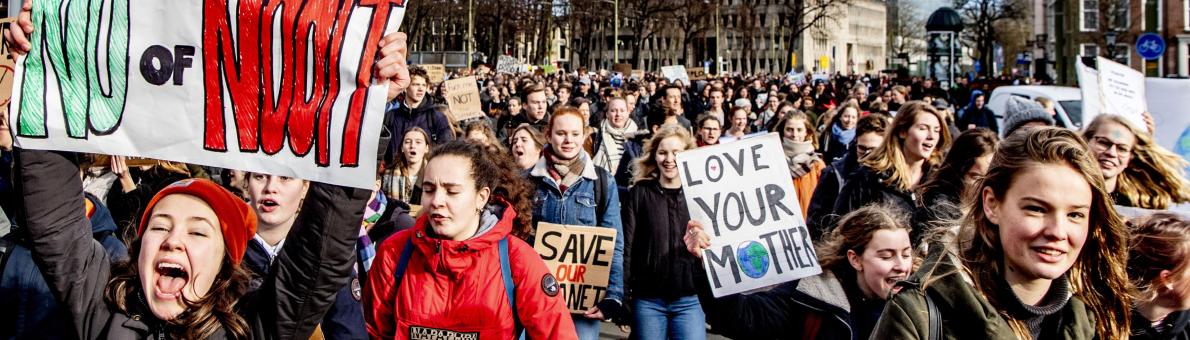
1098, 277
889, 157
646, 164
1154, 178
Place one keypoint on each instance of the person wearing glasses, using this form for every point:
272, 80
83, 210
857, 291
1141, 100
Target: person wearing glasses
1136, 171
709, 130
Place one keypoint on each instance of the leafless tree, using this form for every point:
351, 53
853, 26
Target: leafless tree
644, 19
693, 18
907, 30
981, 19
801, 15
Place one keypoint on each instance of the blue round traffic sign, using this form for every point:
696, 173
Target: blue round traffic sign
1150, 46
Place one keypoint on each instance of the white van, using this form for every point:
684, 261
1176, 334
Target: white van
1068, 102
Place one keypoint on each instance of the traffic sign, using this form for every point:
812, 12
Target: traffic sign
1150, 46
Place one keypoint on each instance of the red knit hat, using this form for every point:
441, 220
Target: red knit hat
237, 221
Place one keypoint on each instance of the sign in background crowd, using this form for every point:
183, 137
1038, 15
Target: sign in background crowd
191, 175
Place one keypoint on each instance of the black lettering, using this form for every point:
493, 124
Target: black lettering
553, 252
727, 203
689, 180
153, 74
711, 210
599, 250
719, 165
728, 261
774, 195
797, 249
791, 256
737, 163
807, 244
570, 249
756, 221
183, 61
768, 238
756, 158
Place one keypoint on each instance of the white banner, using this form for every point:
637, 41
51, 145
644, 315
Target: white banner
1112, 88
273, 88
743, 194
675, 73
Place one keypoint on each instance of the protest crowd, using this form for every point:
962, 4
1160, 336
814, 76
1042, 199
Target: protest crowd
930, 218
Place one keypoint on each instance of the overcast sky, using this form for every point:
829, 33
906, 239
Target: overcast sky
928, 6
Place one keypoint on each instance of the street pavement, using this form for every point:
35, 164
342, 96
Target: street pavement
608, 330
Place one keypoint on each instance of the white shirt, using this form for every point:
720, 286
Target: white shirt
270, 250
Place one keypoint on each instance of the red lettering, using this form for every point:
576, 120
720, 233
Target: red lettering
351, 130
240, 58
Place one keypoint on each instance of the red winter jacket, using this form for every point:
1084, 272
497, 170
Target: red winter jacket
456, 288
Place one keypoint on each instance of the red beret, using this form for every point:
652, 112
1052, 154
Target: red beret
237, 221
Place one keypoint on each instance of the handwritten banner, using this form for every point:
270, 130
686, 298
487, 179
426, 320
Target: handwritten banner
436, 72
463, 99
580, 258
743, 194
676, 73
1122, 91
696, 73
264, 87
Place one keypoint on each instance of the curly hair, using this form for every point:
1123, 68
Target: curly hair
1154, 178
646, 164
498, 172
1098, 277
203, 317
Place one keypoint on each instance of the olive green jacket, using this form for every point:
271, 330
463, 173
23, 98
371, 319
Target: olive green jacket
965, 314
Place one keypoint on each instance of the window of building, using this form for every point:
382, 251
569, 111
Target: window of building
1089, 50
1090, 15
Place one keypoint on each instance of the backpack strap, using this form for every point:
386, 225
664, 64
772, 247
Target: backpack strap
934, 327
600, 194
510, 288
402, 262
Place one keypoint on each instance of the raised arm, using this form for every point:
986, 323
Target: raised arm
75, 266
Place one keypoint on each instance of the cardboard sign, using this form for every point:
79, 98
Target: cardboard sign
508, 64
1122, 91
194, 81
580, 259
625, 69
638, 74
7, 63
463, 99
675, 73
696, 73
743, 195
436, 72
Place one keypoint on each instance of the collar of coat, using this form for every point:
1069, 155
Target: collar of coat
541, 169
826, 288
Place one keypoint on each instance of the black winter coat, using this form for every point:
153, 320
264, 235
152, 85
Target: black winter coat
288, 305
817, 307
865, 187
1176, 327
655, 257
830, 184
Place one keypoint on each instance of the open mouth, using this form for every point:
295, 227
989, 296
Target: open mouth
1049, 254
170, 280
268, 205
894, 279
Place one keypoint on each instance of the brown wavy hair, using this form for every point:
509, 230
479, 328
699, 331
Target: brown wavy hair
500, 173
1160, 242
889, 157
853, 232
1154, 178
1098, 276
203, 317
646, 164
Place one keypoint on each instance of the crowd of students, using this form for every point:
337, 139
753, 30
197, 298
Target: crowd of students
928, 222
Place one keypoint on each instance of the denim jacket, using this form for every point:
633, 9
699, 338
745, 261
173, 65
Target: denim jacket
576, 206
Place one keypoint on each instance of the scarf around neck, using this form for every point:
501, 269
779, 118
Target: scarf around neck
564, 171
612, 147
843, 136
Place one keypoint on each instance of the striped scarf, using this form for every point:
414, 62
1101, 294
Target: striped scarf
612, 148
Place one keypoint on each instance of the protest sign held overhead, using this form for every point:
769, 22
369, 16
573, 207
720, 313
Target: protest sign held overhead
508, 64
1122, 91
743, 194
580, 258
206, 82
625, 69
696, 73
463, 98
675, 73
436, 72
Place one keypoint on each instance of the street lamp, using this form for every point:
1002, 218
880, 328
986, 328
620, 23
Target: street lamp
1111, 43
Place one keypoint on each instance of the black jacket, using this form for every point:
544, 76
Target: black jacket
939, 207
401, 117
1176, 327
289, 304
830, 147
655, 257
790, 311
830, 184
865, 187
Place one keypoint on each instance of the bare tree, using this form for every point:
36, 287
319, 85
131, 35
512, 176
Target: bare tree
644, 19
801, 15
982, 17
693, 19
907, 30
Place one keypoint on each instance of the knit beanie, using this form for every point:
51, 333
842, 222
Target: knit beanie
1018, 111
237, 221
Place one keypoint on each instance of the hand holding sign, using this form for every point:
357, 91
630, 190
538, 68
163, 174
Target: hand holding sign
580, 258
20, 37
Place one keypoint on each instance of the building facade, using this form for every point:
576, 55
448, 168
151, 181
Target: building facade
1089, 26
